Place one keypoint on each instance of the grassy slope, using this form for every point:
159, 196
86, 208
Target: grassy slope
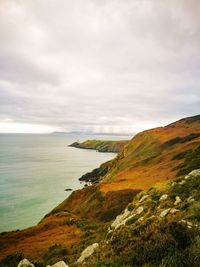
148, 239
101, 145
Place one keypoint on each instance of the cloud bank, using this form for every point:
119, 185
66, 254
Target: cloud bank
99, 66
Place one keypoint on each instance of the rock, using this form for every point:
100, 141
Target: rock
163, 197
182, 182
187, 177
164, 213
139, 210
177, 201
190, 199
174, 183
194, 173
87, 252
143, 198
173, 211
140, 219
25, 263
59, 264
120, 218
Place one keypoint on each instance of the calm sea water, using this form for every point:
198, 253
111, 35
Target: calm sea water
35, 170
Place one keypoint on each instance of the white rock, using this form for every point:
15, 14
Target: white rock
143, 198
177, 201
195, 173
120, 218
87, 252
187, 177
139, 210
141, 219
174, 183
190, 199
25, 263
182, 182
164, 212
163, 197
173, 211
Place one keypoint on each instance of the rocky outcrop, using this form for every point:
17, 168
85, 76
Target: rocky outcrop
87, 252
25, 263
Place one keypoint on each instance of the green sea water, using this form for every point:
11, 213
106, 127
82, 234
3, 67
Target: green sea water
35, 170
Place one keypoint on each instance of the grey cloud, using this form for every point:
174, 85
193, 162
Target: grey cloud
99, 64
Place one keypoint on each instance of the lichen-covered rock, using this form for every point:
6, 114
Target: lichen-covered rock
87, 252
190, 199
177, 201
143, 198
163, 197
139, 210
25, 263
120, 218
164, 213
195, 173
173, 211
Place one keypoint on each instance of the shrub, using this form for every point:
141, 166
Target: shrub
54, 254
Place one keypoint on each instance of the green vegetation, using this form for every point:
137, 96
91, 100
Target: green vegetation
12, 260
191, 161
101, 145
54, 254
169, 241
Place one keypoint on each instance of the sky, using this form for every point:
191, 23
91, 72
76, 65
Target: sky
98, 66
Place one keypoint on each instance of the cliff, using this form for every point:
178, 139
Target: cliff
145, 168
101, 145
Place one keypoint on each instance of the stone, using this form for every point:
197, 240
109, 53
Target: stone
173, 211
143, 198
163, 197
139, 210
177, 201
164, 213
120, 218
25, 263
190, 199
195, 173
87, 252
141, 219
182, 182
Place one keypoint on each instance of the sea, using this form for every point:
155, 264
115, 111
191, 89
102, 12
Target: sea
35, 170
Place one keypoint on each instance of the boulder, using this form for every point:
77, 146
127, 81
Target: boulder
195, 173
163, 197
190, 199
25, 263
164, 213
173, 211
139, 210
87, 252
177, 201
120, 218
143, 198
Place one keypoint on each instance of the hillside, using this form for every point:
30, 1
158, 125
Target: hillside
101, 145
161, 227
154, 157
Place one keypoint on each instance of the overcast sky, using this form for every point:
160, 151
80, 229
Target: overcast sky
98, 65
